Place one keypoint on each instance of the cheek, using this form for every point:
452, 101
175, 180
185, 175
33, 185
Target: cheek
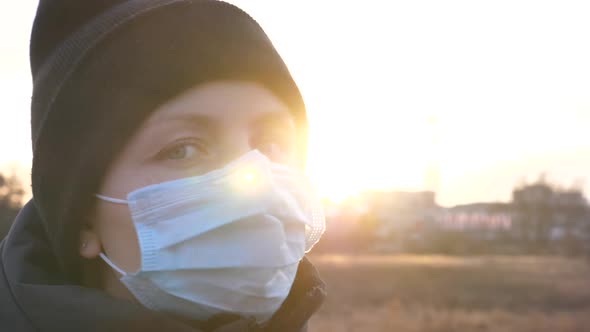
118, 236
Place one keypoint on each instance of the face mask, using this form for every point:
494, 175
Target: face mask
228, 241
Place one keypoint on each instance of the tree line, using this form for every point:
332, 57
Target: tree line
11, 200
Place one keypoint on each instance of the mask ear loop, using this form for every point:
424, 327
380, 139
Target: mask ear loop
102, 255
112, 200
111, 264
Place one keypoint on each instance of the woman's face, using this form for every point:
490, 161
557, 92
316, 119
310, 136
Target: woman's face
201, 130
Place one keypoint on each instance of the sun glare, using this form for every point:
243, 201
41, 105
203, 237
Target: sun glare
507, 81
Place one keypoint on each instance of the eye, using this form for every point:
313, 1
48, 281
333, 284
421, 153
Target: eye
183, 150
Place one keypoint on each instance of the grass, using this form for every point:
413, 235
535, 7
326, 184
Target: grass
444, 294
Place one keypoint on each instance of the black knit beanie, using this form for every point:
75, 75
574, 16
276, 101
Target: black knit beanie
101, 66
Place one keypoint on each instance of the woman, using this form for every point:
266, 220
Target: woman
168, 138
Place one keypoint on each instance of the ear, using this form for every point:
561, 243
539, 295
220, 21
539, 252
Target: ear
90, 245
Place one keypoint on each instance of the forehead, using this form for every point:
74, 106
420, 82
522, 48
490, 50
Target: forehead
222, 101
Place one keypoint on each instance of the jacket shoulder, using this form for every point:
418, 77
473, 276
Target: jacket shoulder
11, 317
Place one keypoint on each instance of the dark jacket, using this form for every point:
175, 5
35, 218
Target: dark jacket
35, 296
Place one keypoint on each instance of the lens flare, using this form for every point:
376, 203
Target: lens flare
249, 177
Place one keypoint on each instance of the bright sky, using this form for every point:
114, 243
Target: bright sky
506, 82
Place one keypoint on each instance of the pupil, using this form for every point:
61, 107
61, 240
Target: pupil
178, 153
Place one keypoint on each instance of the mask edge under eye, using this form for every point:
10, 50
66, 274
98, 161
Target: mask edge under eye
253, 157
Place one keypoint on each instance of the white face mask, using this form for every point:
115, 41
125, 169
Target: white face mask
228, 241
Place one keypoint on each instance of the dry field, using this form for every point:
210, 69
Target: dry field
444, 294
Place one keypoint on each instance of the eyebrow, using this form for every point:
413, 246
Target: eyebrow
266, 119
274, 118
194, 119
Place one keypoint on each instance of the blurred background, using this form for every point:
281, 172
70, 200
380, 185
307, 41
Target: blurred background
448, 140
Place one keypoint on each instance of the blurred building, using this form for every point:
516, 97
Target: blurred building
482, 217
401, 210
397, 217
547, 217
540, 218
